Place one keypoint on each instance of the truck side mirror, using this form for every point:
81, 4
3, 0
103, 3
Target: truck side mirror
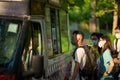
37, 65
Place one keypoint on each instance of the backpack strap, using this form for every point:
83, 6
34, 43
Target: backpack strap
80, 77
73, 55
116, 43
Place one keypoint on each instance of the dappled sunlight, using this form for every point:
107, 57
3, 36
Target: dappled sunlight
84, 25
77, 9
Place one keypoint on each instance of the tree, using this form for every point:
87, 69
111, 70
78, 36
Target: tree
106, 11
80, 10
115, 17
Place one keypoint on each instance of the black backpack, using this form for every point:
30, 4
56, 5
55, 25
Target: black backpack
90, 64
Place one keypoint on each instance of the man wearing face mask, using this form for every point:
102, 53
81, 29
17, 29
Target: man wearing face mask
117, 40
94, 40
117, 48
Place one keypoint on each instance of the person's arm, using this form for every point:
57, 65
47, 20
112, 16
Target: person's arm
76, 70
109, 69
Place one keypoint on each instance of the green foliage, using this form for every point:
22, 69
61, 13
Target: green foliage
104, 11
118, 1
108, 33
103, 7
80, 11
75, 2
106, 19
74, 12
112, 37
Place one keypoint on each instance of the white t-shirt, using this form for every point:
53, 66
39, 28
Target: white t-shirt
80, 57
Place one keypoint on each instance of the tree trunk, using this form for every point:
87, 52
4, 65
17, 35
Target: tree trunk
115, 17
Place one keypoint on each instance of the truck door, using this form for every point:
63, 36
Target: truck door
32, 58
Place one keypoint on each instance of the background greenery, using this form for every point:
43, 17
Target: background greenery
81, 11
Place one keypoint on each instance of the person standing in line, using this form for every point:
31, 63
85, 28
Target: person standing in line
96, 49
80, 56
95, 39
117, 41
106, 61
117, 48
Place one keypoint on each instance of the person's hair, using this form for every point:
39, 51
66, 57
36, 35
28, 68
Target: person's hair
94, 34
98, 35
108, 44
78, 32
118, 27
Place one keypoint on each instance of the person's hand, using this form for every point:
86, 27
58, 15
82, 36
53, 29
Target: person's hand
105, 74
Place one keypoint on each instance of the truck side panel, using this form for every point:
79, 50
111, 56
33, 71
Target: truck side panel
14, 8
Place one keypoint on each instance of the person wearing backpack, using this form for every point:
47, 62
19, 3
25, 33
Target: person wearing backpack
79, 56
117, 48
106, 63
94, 37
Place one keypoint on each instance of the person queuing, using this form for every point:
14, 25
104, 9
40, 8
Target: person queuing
117, 48
96, 49
106, 63
95, 39
80, 56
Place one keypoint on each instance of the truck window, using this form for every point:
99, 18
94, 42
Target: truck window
33, 44
52, 31
48, 33
9, 32
64, 31
57, 31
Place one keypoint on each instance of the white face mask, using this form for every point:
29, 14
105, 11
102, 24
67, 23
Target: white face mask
117, 35
101, 43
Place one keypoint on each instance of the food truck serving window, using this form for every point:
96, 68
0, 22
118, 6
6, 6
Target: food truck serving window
57, 32
52, 31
